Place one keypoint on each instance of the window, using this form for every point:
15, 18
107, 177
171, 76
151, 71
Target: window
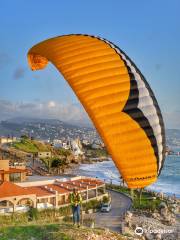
15, 177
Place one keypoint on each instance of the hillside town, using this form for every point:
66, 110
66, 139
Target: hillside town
47, 130
36, 174
24, 161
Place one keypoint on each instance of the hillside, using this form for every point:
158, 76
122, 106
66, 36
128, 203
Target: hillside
56, 231
44, 129
55, 129
31, 146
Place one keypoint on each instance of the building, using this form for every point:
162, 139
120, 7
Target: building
12, 196
47, 194
44, 154
12, 173
76, 147
4, 140
57, 143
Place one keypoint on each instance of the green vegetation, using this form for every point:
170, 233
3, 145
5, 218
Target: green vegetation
96, 153
148, 199
26, 146
57, 162
118, 188
63, 152
32, 214
46, 225
44, 216
146, 204
61, 157
54, 232
30, 146
93, 204
106, 199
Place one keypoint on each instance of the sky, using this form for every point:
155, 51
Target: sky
148, 31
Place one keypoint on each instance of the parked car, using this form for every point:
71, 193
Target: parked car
44, 205
21, 208
106, 207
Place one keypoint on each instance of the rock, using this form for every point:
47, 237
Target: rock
149, 236
167, 218
161, 195
164, 211
158, 236
133, 226
128, 219
163, 205
173, 221
156, 215
129, 214
127, 230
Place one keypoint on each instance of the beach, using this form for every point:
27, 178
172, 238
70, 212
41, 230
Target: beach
168, 181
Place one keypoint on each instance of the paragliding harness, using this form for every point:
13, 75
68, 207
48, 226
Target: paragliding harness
76, 199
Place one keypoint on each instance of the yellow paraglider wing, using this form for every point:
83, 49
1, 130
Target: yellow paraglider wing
116, 97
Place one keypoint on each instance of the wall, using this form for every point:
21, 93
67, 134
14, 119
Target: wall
4, 164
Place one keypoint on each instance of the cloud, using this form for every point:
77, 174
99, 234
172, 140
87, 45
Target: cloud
19, 73
67, 112
50, 109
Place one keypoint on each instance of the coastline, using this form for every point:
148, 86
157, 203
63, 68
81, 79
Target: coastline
106, 170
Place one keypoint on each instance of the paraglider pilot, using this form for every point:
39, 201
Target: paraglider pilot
76, 201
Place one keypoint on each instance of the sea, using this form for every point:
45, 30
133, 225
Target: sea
168, 182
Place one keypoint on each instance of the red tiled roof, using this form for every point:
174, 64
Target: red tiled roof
9, 189
91, 183
81, 184
14, 170
40, 191
71, 186
59, 188
90, 180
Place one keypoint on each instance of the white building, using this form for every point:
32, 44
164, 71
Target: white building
76, 147
4, 140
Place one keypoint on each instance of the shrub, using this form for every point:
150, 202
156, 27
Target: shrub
32, 214
93, 204
67, 219
65, 211
106, 199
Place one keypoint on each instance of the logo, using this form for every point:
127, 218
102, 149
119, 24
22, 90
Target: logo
138, 231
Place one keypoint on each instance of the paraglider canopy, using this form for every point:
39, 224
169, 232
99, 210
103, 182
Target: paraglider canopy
117, 98
37, 62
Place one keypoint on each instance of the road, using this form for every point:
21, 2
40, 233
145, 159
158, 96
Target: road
120, 204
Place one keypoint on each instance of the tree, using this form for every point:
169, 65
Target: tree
64, 152
24, 137
58, 163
